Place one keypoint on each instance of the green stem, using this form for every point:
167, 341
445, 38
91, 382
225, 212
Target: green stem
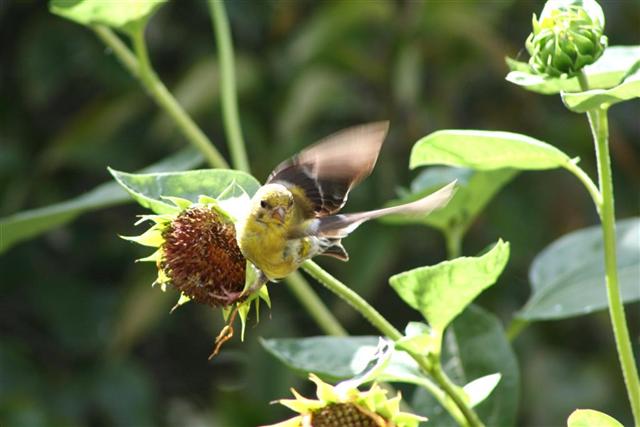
599, 127
314, 305
121, 51
353, 299
453, 239
515, 328
456, 394
228, 86
587, 182
453, 399
444, 400
140, 66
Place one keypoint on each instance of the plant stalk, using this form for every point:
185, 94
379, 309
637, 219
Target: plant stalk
452, 399
587, 182
230, 113
122, 52
453, 239
140, 66
599, 127
353, 299
515, 328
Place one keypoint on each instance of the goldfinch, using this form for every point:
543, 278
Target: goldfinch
294, 216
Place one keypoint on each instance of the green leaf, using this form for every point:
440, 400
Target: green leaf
480, 388
442, 291
567, 277
372, 370
486, 150
606, 72
122, 14
332, 358
591, 418
418, 339
339, 358
151, 190
582, 102
27, 224
475, 347
473, 191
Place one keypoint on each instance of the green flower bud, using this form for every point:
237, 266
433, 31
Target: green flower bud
568, 36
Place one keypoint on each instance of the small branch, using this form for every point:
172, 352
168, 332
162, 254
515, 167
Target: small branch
228, 86
140, 66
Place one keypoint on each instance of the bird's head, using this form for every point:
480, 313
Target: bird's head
272, 204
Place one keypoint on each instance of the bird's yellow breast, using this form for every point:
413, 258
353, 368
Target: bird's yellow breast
267, 247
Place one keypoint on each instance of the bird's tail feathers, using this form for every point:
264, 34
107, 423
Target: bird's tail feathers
338, 226
336, 250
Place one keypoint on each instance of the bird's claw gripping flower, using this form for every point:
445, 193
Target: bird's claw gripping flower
568, 36
198, 255
347, 407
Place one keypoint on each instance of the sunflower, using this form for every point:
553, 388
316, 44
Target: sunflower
347, 407
198, 255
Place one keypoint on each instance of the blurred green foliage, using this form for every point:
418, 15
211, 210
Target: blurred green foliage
86, 341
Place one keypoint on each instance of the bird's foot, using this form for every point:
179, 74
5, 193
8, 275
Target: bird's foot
259, 282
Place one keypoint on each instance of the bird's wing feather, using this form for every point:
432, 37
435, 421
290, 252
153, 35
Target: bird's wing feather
338, 226
323, 174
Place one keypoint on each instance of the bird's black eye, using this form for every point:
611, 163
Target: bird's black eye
264, 204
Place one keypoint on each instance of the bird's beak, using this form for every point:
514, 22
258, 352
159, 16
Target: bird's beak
278, 214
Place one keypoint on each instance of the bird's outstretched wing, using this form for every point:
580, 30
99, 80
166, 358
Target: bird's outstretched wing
339, 226
321, 176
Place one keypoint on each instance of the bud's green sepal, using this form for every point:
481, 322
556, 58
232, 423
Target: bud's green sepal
568, 36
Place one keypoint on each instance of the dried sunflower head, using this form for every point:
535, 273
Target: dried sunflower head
198, 255
347, 407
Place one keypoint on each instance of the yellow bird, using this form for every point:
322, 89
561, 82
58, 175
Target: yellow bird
294, 216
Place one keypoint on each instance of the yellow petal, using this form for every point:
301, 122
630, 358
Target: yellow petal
152, 237
291, 422
182, 300
324, 391
243, 311
179, 202
154, 257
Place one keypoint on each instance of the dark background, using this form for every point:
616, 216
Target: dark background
84, 340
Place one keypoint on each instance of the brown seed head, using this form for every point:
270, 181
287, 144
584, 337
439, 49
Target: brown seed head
202, 259
343, 415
